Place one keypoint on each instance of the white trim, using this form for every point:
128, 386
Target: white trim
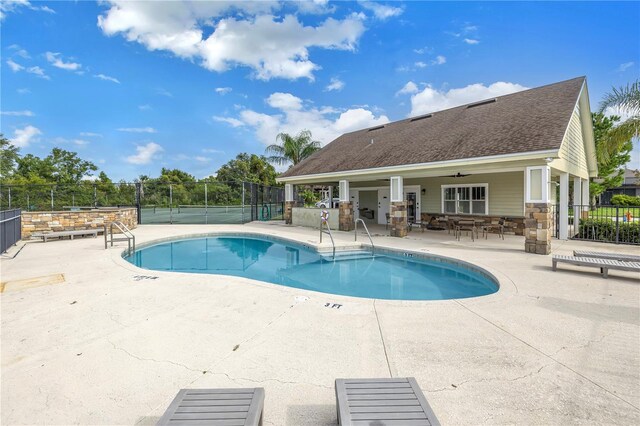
396, 185
545, 179
343, 191
466, 185
435, 164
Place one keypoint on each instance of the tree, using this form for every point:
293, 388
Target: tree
248, 168
292, 149
611, 164
68, 168
622, 100
175, 176
9, 156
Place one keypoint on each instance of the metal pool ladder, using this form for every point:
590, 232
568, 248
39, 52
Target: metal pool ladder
124, 230
328, 231
368, 234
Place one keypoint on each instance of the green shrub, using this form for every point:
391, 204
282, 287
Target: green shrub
625, 200
605, 230
309, 197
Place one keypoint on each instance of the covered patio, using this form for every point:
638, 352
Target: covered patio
510, 162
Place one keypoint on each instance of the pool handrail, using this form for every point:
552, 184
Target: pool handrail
328, 231
368, 234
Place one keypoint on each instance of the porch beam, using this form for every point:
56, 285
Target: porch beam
577, 202
586, 195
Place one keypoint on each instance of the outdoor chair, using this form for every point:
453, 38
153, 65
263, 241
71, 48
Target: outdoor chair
488, 227
388, 218
382, 402
215, 407
466, 225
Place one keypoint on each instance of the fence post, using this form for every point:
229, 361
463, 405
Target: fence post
617, 226
95, 197
9, 198
138, 202
51, 199
171, 204
243, 202
206, 204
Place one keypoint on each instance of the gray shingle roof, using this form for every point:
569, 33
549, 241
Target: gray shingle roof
527, 121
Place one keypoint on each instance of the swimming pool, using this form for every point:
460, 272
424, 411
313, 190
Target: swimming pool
278, 262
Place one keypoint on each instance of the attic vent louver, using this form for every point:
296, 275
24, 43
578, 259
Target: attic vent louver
376, 128
422, 117
486, 101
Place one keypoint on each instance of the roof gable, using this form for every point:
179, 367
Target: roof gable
528, 121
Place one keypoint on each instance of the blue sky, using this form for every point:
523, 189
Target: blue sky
136, 86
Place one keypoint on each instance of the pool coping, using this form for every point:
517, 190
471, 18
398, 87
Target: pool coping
498, 278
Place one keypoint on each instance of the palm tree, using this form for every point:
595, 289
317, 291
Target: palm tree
624, 100
292, 149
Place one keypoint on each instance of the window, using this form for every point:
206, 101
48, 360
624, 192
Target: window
465, 199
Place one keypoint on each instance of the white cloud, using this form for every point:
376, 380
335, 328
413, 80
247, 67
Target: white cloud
80, 142
39, 72
381, 11
335, 84
107, 78
439, 60
15, 67
408, 88
55, 60
8, 6
25, 113
284, 101
223, 90
145, 153
137, 129
202, 159
234, 122
420, 64
19, 51
212, 151
23, 137
23, 91
90, 135
625, 66
163, 92
244, 34
471, 41
431, 100
145, 107
325, 123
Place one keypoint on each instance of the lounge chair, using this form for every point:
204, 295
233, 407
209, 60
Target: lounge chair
602, 255
603, 264
215, 407
382, 402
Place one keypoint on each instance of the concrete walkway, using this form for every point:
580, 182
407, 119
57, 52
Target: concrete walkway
88, 338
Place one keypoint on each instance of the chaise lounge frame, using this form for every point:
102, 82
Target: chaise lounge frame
603, 264
382, 402
215, 407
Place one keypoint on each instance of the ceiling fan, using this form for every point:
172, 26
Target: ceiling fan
457, 175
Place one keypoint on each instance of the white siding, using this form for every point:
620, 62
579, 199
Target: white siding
572, 148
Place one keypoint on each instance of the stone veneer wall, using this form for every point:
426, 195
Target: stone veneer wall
537, 231
345, 216
398, 219
288, 214
33, 222
513, 225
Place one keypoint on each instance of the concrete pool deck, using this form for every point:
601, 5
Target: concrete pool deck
87, 338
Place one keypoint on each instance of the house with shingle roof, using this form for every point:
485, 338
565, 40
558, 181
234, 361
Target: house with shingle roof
508, 158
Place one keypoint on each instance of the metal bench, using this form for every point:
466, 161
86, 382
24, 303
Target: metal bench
60, 234
382, 402
603, 264
603, 255
229, 407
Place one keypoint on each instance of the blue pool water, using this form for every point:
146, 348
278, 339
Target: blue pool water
380, 277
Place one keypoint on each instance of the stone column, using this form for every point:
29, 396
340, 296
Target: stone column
288, 211
537, 231
398, 219
345, 216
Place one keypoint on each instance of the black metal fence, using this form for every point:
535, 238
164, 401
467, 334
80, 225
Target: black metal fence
157, 202
608, 224
10, 228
